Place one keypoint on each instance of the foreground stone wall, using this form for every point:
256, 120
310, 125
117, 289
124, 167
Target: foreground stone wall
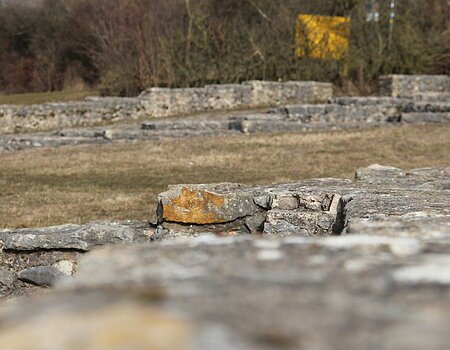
420, 86
380, 198
282, 278
32, 258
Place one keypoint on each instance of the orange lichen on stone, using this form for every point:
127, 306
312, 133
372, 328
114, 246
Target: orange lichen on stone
194, 207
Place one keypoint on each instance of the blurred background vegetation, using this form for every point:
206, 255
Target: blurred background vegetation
124, 46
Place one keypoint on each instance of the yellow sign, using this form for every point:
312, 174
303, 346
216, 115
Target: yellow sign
323, 36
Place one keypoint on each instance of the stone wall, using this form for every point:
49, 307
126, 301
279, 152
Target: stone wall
311, 208
232, 266
339, 113
158, 102
38, 256
164, 102
50, 116
415, 86
251, 94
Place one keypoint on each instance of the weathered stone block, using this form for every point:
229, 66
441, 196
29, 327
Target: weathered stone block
44, 276
299, 223
6, 278
411, 85
76, 237
197, 204
416, 118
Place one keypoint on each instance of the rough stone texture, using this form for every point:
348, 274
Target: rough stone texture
44, 276
377, 277
39, 256
349, 292
158, 102
48, 116
6, 278
380, 198
200, 204
413, 85
307, 208
415, 99
340, 113
252, 94
278, 210
417, 225
76, 237
414, 118
286, 119
288, 223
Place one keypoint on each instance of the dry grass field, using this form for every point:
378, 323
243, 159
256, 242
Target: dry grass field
43, 187
43, 97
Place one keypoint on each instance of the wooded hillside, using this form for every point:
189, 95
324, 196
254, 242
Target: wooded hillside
124, 46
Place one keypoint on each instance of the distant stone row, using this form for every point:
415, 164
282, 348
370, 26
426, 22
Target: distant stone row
163, 102
159, 102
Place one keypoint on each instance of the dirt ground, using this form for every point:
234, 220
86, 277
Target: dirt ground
41, 187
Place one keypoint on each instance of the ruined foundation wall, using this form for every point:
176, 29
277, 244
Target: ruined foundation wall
381, 200
159, 102
164, 102
51, 116
251, 94
416, 86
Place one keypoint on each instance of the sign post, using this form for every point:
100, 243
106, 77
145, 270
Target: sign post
324, 37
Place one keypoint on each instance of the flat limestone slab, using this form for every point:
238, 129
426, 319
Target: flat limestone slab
312, 207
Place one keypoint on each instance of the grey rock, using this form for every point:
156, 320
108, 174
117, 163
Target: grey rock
299, 223
206, 204
413, 85
316, 111
384, 277
66, 267
158, 102
44, 276
377, 176
255, 222
283, 201
6, 278
77, 237
262, 201
421, 225
414, 118
213, 125
377, 190
300, 290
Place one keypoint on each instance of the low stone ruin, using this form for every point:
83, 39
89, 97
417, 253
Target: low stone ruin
339, 113
230, 266
313, 108
311, 208
159, 102
419, 91
251, 94
51, 116
317, 264
419, 87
